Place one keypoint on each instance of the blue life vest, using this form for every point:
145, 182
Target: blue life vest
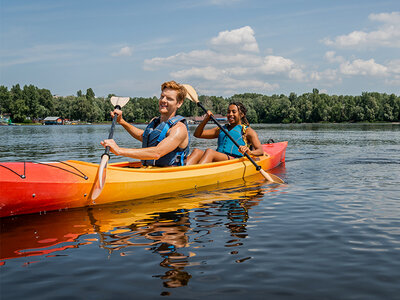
154, 133
225, 145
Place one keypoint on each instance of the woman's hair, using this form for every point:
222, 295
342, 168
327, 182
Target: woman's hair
177, 87
242, 109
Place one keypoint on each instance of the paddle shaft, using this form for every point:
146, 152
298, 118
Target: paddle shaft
111, 134
258, 168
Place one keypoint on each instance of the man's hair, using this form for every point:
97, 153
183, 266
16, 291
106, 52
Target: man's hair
177, 87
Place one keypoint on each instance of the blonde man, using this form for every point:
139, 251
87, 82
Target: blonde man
165, 141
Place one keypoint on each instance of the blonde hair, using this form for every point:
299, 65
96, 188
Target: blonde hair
177, 87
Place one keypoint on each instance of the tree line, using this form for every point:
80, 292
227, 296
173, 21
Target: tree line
30, 104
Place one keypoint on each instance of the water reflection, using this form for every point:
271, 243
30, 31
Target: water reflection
164, 234
168, 227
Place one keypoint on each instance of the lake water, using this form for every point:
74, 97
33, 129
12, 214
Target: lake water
332, 232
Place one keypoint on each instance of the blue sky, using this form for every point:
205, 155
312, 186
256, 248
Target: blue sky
220, 47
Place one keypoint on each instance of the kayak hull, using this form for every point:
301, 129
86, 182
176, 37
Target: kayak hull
28, 187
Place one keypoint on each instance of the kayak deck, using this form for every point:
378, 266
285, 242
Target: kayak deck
28, 187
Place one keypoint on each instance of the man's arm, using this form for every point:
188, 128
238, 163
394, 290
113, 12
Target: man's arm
132, 130
177, 137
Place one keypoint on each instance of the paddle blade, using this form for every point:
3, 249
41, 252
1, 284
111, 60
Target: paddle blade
191, 93
120, 101
271, 177
101, 177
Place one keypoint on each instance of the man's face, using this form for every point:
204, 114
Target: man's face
168, 103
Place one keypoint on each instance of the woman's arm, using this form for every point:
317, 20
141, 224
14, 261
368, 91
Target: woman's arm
253, 139
208, 133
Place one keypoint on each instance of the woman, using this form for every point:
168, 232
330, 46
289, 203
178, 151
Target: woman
238, 128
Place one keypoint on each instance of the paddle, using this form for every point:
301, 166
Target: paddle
192, 95
118, 103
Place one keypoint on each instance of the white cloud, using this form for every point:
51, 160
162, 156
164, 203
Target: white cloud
394, 66
124, 51
276, 64
357, 67
244, 64
223, 80
231, 86
352, 39
232, 61
387, 35
332, 58
330, 76
394, 81
208, 73
390, 18
231, 66
363, 67
241, 39
200, 58
297, 74
394, 69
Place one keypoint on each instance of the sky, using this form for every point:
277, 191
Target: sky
220, 47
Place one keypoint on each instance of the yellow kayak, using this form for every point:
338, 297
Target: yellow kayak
36, 187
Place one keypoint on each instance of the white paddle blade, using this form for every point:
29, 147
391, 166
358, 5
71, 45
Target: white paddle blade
271, 177
121, 101
191, 93
101, 177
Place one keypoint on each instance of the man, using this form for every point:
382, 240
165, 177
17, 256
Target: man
165, 141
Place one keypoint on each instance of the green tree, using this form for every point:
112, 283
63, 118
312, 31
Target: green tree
46, 100
5, 100
31, 102
252, 116
31, 98
304, 107
371, 108
19, 110
90, 94
357, 114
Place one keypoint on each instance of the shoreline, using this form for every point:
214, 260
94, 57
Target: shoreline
109, 123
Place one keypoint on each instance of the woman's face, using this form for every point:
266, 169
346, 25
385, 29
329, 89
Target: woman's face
234, 116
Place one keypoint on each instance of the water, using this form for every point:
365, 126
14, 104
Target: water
333, 232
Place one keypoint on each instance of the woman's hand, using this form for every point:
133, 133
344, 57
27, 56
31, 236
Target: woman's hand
209, 114
244, 149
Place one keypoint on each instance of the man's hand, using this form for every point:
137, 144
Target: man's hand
119, 114
114, 148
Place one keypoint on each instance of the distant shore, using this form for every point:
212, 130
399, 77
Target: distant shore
109, 123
